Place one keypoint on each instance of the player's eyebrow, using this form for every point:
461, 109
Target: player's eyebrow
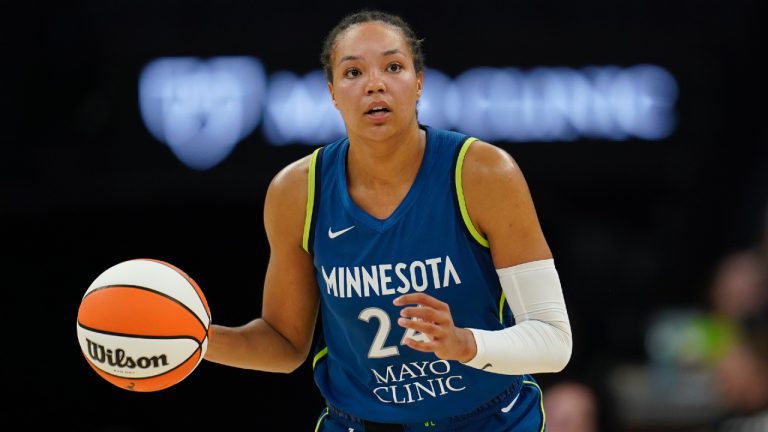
392, 52
386, 53
349, 57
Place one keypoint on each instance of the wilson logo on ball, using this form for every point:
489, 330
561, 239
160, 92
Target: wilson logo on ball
119, 358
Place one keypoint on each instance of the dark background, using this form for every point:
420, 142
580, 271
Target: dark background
634, 225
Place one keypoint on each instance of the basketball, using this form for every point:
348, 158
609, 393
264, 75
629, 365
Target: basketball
143, 325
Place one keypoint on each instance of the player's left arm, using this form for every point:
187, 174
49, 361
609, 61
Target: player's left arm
502, 210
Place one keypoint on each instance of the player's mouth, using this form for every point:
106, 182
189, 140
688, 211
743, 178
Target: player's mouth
377, 111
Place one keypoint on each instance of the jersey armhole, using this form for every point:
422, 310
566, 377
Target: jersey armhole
313, 197
459, 189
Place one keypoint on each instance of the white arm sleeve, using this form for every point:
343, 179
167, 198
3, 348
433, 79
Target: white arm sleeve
540, 340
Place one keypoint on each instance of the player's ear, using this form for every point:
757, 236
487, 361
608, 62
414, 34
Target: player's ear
419, 82
330, 90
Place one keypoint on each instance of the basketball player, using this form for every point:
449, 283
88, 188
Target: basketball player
413, 244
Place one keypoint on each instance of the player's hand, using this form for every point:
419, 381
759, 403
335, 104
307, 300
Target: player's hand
434, 320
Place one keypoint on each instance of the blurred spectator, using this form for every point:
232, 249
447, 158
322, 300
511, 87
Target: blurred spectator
571, 406
696, 358
697, 336
742, 378
738, 289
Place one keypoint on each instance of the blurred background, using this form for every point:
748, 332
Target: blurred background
152, 129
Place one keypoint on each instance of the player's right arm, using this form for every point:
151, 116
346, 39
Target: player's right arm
280, 340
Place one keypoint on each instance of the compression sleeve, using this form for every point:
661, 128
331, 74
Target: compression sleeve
540, 340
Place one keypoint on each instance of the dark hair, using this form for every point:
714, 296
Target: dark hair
363, 16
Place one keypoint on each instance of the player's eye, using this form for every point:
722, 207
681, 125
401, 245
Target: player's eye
394, 67
352, 73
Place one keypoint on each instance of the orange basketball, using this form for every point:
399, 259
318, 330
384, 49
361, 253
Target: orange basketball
143, 325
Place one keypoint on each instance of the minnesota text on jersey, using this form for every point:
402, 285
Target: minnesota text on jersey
362, 281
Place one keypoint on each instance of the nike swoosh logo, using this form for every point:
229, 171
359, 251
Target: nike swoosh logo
333, 235
511, 404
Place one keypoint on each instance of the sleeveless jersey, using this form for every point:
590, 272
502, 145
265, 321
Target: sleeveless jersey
362, 263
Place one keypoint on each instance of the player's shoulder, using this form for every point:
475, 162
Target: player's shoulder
288, 187
487, 161
292, 175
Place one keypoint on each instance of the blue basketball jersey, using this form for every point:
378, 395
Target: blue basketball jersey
362, 263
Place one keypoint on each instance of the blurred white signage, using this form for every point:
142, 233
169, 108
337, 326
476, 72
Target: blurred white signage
203, 108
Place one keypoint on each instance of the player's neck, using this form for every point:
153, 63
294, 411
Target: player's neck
393, 161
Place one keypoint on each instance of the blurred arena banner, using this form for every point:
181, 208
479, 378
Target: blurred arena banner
201, 108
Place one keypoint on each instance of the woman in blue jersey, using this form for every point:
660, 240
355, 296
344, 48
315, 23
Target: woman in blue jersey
412, 257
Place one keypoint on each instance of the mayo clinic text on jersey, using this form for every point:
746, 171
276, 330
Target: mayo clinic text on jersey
415, 381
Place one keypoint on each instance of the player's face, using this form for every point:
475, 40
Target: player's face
375, 85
